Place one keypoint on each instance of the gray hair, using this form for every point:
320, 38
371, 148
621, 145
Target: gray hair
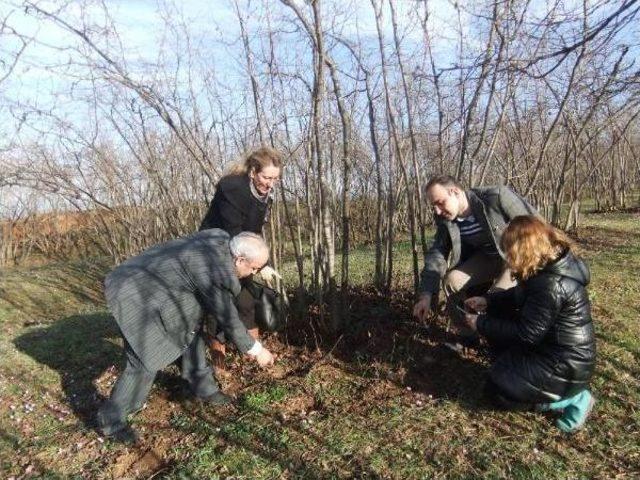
248, 245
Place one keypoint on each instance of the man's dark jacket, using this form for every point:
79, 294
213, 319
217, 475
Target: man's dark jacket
158, 297
493, 208
234, 208
545, 324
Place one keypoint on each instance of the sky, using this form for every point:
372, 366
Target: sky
140, 25
45, 73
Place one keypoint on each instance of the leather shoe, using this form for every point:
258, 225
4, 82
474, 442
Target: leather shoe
217, 398
126, 436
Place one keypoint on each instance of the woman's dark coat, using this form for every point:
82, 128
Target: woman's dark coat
549, 343
234, 208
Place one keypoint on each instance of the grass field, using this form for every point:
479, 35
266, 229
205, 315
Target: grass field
384, 400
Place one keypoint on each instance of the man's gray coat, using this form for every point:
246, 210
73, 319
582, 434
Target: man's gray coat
158, 297
493, 208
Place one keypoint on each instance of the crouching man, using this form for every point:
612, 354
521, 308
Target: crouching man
466, 250
158, 299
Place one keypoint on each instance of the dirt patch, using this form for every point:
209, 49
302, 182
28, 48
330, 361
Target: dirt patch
297, 406
138, 464
123, 463
381, 354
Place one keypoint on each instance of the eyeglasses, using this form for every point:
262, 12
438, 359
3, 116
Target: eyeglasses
263, 177
254, 269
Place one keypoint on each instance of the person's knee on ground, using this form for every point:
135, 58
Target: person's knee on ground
509, 379
574, 410
502, 399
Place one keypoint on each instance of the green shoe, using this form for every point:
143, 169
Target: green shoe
557, 406
575, 413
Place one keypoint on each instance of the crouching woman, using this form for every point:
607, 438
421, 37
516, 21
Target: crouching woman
541, 330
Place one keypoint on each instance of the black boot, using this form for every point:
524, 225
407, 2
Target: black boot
112, 425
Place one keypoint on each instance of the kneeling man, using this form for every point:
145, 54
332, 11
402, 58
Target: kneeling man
158, 299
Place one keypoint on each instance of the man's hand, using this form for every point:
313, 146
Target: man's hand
422, 308
265, 358
269, 275
476, 304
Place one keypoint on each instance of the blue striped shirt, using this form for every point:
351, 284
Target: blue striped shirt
473, 236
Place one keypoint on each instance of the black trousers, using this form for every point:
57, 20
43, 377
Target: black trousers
503, 401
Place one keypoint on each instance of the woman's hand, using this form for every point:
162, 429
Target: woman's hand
476, 304
471, 319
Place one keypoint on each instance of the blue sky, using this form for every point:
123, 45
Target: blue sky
45, 73
140, 25
40, 78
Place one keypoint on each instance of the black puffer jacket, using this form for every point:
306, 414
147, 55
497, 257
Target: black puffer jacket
545, 326
234, 208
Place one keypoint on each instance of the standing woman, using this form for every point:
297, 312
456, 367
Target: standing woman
242, 203
541, 330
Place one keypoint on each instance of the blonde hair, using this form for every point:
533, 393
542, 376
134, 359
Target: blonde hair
530, 243
256, 160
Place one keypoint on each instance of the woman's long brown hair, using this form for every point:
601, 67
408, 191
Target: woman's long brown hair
530, 244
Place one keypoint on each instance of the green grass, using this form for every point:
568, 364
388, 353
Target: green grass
386, 402
361, 264
261, 400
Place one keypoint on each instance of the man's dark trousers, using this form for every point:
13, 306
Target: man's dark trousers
132, 387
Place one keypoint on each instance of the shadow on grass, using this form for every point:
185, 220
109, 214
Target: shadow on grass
266, 435
79, 348
36, 465
595, 239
